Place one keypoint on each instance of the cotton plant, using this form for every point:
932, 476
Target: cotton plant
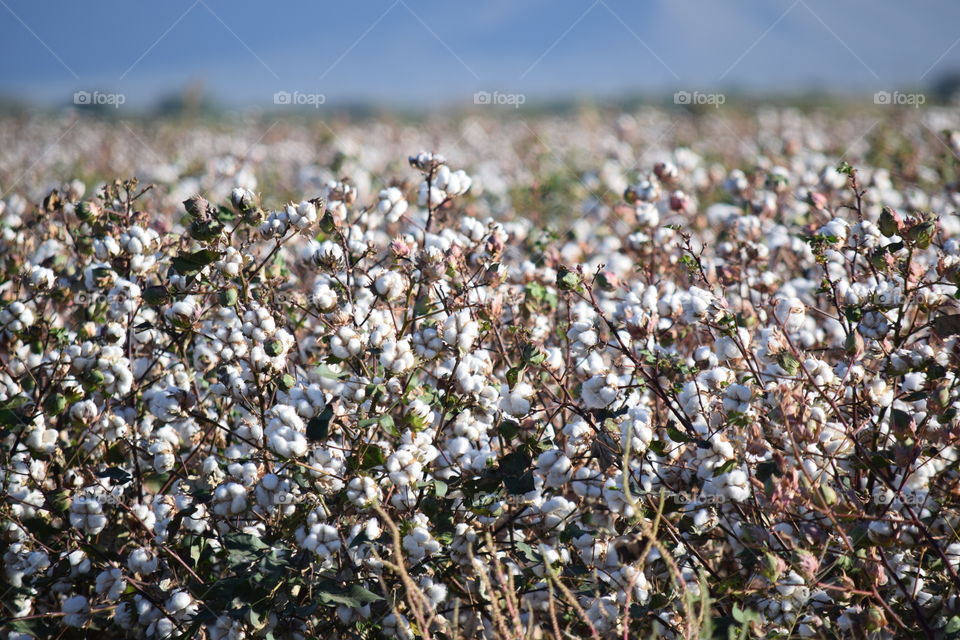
398, 404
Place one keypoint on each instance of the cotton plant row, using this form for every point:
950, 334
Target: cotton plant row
566, 157
723, 401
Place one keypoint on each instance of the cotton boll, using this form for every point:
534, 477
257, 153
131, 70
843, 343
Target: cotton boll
737, 398
404, 467
436, 592
516, 402
38, 437
583, 335
285, 432
347, 342
142, 561
836, 228
181, 605
363, 491
39, 278
392, 204
555, 467
431, 196
419, 544
77, 609
389, 284
322, 539
790, 313
15, 317
324, 298
600, 391
913, 382
86, 514
396, 356
229, 499
460, 330
110, 584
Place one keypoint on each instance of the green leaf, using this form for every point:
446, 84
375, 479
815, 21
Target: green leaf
765, 470
224, 214
191, 263
568, 280
527, 551
324, 371
389, 425
724, 468
953, 625
788, 363
531, 354
516, 471
12, 412
369, 457
901, 419
514, 375
536, 291
244, 542
678, 436
318, 428
509, 430
570, 532
118, 475
659, 447
946, 326
354, 597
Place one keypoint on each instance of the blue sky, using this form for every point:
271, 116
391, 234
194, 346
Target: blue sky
427, 52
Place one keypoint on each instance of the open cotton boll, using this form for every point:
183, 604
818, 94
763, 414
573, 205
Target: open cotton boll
516, 401
790, 313
836, 228
460, 330
39, 278
737, 398
322, 539
363, 491
230, 499
86, 514
404, 467
15, 317
396, 356
392, 204
555, 467
142, 561
601, 391
77, 609
430, 196
389, 284
181, 605
419, 544
285, 432
110, 584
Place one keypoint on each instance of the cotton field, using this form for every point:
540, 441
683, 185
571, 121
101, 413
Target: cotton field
659, 373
